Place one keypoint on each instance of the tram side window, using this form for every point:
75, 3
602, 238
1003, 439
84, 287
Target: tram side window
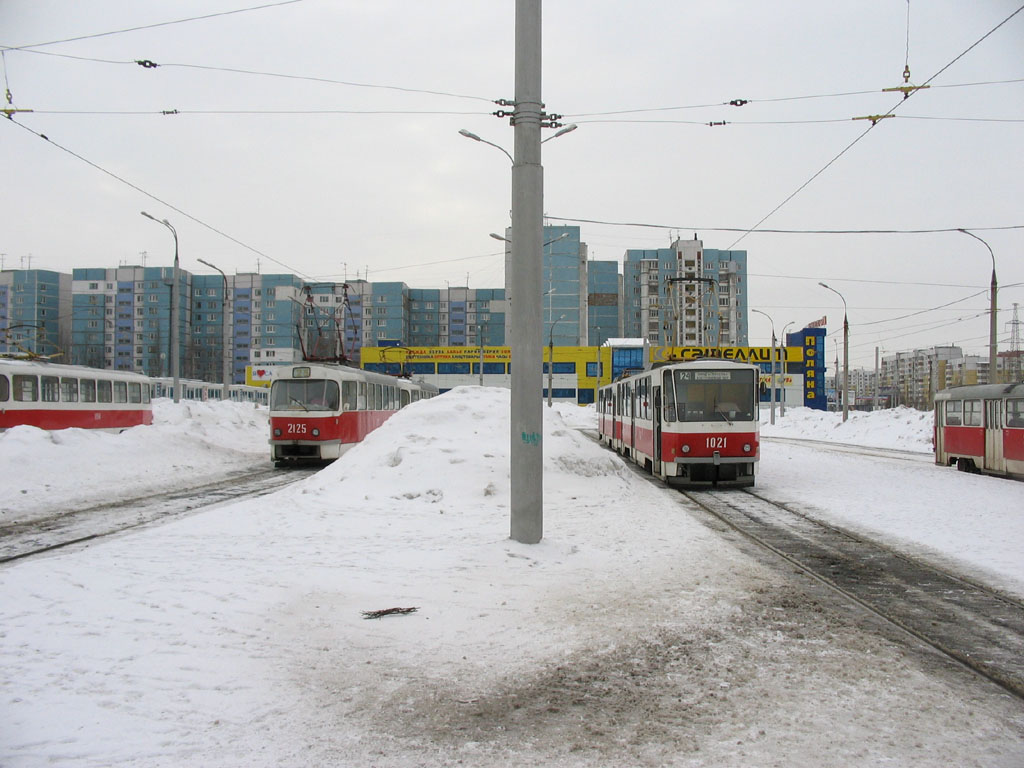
375, 397
145, 393
954, 413
405, 395
361, 401
120, 392
50, 389
26, 388
104, 392
348, 395
69, 390
5, 389
972, 413
1015, 413
134, 392
87, 390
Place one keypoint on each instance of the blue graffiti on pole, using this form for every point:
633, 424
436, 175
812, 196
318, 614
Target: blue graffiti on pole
531, 438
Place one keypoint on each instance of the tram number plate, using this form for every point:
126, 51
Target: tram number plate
716, 442
296, 429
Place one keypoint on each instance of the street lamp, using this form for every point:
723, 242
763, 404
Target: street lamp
783, 351
175, 352
772, 380
225, 339
474, 137
551, 356
568, 129
992, 357
846, 353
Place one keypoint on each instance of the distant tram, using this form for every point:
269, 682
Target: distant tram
692, 424
320, 410
56, 396
981, 429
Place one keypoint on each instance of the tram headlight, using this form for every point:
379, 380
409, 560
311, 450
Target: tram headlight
277, 432
316, 433
746, 447
686, 449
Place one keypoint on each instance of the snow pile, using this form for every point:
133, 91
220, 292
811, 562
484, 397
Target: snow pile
188, 444
902, 428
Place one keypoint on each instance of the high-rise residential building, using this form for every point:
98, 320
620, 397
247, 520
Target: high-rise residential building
121, 318
35, 312
564, 285
604, 302
685, 295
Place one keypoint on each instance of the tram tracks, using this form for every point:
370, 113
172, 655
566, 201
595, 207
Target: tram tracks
63, 529
968, 622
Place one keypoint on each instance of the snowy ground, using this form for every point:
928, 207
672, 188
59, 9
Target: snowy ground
633, 634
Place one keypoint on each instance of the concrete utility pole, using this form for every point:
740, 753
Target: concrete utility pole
175, 310
225, 336
526, 412
846, 355
992, 356
772, 377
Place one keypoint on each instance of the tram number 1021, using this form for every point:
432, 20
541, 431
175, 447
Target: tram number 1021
716, 442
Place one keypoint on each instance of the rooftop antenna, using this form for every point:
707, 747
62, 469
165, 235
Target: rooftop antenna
143, 254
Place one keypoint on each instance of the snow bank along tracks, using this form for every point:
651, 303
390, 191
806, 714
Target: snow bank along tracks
64, 528
974, 625
861, 450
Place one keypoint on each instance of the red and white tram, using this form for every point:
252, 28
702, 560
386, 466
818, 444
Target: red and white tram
56, 396
691, 424
318, 410
981, 429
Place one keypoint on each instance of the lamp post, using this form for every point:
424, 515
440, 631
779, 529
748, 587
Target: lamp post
597, 373
772, 380
846, 353
175, 352
992, 356
551, 357
783, 349
225, 346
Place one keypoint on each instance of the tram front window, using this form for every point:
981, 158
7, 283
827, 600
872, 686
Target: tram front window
304, 395
712, 395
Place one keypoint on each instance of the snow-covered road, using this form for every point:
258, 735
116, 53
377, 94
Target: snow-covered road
633, 634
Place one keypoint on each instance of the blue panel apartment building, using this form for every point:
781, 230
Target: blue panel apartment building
685, 295
35, 312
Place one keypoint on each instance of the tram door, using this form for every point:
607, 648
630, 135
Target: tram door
994, 459
656, 394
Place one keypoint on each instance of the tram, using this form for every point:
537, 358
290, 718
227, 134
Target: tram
692, 424
981, 429
320, 410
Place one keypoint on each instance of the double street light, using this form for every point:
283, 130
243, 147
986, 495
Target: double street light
526, 454
551, 356
175, 352
846, 355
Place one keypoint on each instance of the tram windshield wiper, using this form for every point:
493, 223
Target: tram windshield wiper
722, 413
299, 403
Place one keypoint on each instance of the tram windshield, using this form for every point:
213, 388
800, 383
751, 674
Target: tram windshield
304, 395
709, 395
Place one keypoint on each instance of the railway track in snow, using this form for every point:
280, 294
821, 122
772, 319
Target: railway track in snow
979, 627
63, 529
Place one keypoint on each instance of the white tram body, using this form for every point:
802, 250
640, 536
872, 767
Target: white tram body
981, 429
692, 424
320, 410
56, 396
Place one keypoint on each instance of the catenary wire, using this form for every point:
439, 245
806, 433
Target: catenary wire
152, 26
151, 196
871, 127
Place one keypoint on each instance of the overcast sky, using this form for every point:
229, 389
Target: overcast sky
375, 176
